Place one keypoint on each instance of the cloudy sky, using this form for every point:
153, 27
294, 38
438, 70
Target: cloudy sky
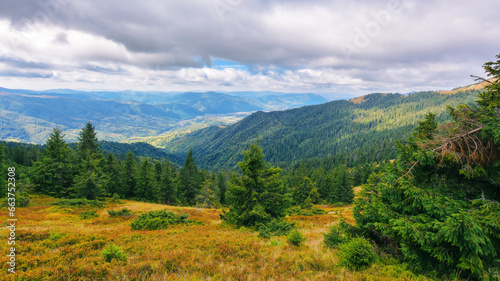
334, 47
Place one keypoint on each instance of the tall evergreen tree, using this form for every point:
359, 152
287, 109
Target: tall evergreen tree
146, 182
54, 174
112, 172
168, 185
87, 141
208, 194
305, 194
90, 181
128, 176
221, 187
189, 181
257, 195
439, 203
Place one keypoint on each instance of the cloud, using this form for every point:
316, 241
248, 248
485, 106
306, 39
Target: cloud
316, 45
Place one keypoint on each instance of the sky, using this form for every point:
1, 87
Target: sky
334, 48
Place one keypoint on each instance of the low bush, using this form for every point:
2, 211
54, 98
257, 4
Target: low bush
339, 233
78, 203
295, 238
122, 213
88, 214
298, 211
356, 254
160, 220
275, 227
113, 252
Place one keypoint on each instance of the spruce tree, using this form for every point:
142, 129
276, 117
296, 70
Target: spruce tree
257, 195
168, 185
305, 194
91, 180
146, 182
221, 187
189, 181
54, 174
129, 176
87, 141
112, 173
438, 205
208, 194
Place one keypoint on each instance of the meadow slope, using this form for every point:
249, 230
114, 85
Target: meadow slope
54, 243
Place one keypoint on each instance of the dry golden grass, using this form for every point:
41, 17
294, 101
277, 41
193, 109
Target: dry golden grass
53, 243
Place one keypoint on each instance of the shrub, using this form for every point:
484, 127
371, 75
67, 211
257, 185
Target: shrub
297, 210
274, 242
160, 220
78, 203
113, 252
275, 227
88, 214
115, 198
339, 233
295, 238
356, 254
122, 213
54, 236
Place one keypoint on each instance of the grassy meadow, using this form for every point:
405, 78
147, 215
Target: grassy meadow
56, 243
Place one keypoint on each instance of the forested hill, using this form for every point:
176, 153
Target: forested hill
357, 131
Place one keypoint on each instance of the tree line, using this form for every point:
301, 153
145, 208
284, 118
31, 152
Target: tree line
83, 170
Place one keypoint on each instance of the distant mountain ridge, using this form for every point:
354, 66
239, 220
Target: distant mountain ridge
29, 116
347, 131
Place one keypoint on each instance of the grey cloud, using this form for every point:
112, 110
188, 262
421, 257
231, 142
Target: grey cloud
286, 34
28, 74
20, 63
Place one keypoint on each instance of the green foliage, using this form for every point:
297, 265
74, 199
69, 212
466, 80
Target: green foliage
326, 135
111, 171
78, 203
146, 182
90, 181
295, 238
160, 220
122, 213
274, 242
438, 205
128, 176
338, 234
54, 236
298, 211
257, 195
55, 172
167, 187
305, 194
275, 227
111, 252
115, 198
89, 214
189, 181
208, 194
356, 254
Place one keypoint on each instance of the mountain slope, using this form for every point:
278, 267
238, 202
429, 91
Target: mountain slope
359, 130
30, 116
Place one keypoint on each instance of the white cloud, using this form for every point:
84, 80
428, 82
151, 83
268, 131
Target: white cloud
286, 45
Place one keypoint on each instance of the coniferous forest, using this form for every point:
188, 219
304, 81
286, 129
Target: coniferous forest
385, 197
